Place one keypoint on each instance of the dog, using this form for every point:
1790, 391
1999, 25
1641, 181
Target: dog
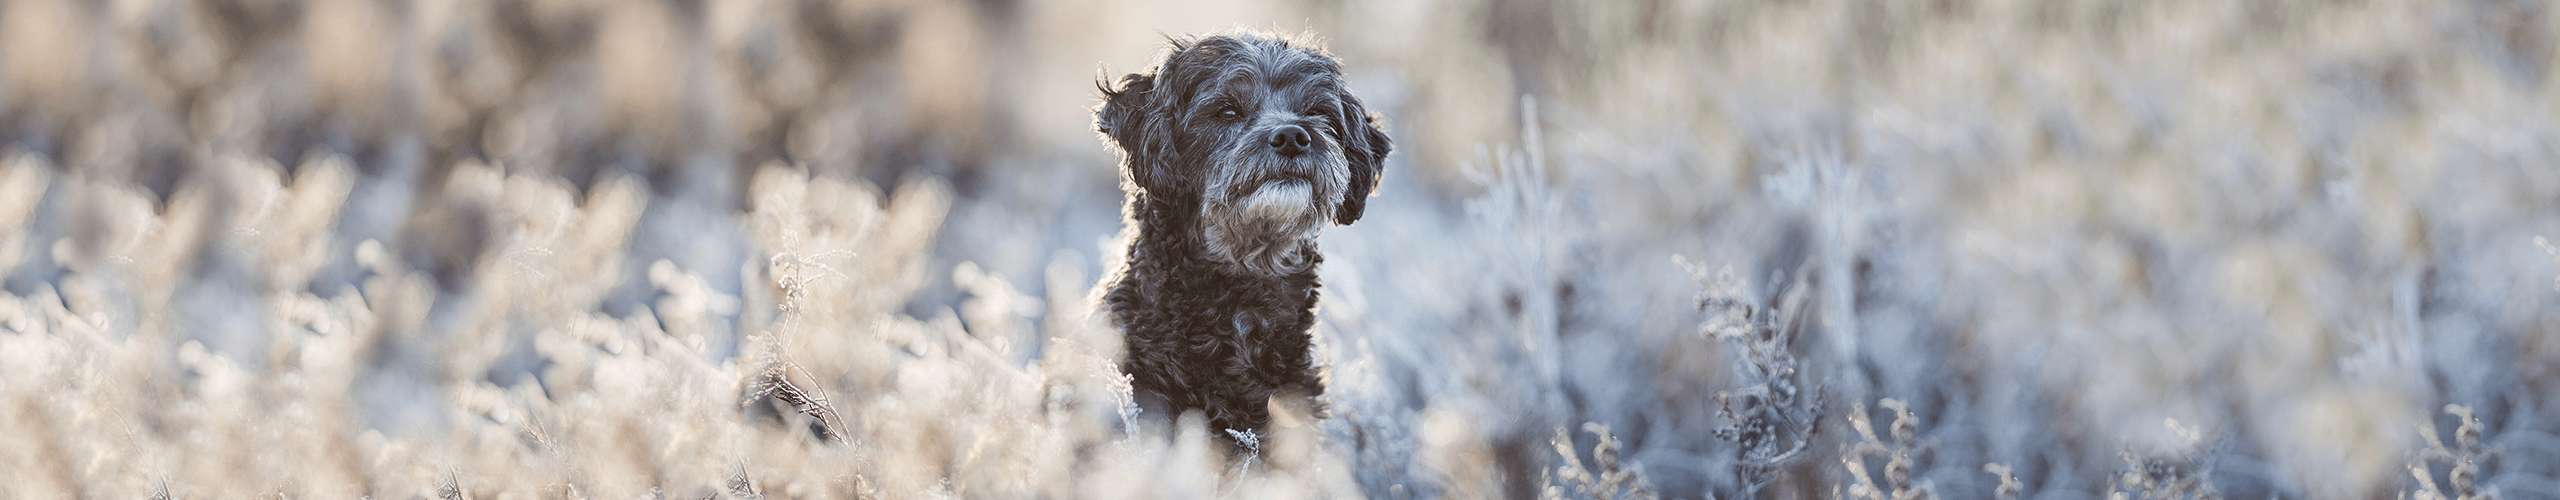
1236, 150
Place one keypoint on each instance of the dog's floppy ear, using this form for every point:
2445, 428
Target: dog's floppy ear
1123, 109
1128, 116
1365, 144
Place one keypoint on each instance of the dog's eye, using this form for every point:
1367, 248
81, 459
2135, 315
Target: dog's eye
1318, 109
1230, 112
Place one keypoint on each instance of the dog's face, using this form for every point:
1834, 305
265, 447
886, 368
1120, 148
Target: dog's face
1260, 135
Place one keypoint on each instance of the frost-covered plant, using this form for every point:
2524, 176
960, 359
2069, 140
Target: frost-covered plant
1605, 478
2010, 487
784, 385
532, 249
877, 401
22, 184
2181, 471
1901, 455
2464, 463
1775, 411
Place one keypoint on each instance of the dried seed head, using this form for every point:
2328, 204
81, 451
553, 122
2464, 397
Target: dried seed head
2463, 477
450, 488
1898, 470
2009, 485
1906, 427
2468, 435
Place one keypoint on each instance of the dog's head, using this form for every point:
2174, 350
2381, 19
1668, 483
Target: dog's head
1258, 134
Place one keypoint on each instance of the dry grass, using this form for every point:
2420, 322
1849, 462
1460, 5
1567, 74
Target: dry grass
845, 248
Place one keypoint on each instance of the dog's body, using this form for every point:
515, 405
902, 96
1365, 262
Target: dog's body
1235, 152
1202, 339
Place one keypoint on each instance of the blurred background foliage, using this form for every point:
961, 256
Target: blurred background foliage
2294, 230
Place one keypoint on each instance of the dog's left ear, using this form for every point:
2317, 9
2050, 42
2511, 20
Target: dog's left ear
1365, 144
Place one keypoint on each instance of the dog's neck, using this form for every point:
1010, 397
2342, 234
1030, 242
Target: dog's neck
1169, 238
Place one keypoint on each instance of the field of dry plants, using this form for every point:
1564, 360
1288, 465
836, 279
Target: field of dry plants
2049, 249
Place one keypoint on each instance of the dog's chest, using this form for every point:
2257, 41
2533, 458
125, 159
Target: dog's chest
1235, 307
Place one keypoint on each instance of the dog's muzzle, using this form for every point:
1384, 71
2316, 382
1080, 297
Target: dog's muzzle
1270, 194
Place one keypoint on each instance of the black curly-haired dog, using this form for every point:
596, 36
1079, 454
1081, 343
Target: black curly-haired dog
1235, 151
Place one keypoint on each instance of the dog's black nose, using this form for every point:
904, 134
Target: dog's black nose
1290, 140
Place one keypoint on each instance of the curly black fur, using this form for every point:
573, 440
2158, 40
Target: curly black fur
1235, 150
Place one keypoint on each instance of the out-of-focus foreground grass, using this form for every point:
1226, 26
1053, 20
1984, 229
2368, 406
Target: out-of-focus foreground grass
1974, 248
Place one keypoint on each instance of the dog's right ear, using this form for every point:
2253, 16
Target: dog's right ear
1122, 108
1126, 117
